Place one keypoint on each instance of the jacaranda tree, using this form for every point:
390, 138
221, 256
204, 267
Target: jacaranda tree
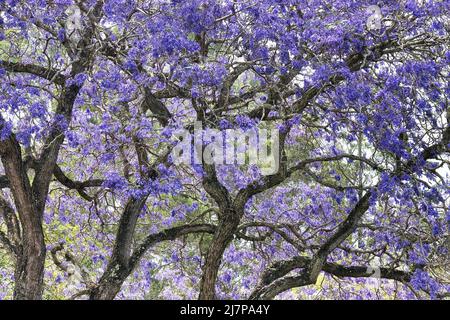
94, 204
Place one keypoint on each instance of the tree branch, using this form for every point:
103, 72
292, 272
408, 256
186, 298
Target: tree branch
274, 280
166, 235
79, 186
51, 75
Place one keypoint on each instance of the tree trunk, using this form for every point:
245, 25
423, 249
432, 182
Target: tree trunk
105, 291
221, 239
110, 283
29, 272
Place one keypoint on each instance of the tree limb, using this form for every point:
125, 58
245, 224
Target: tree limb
169, 234
51, 75
274, 282
79, 186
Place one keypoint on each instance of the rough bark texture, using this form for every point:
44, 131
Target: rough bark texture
224, 235
229, 219
110, 282
29, 271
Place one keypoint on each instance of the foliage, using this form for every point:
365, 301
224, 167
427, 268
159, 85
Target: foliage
94, 92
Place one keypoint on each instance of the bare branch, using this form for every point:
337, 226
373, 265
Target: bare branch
80, 186
169, 234
51, 75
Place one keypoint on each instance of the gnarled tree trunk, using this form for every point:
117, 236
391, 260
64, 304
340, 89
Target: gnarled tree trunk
226, 229
29, 271
111, 281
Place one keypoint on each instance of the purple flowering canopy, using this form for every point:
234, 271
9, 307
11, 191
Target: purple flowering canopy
93, 205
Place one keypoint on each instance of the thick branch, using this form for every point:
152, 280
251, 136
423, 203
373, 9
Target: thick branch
51, 75
80, 186
274, 282
29, 269
281, 268
167, 235
344, 230
49, 155
215, 189
158, 109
